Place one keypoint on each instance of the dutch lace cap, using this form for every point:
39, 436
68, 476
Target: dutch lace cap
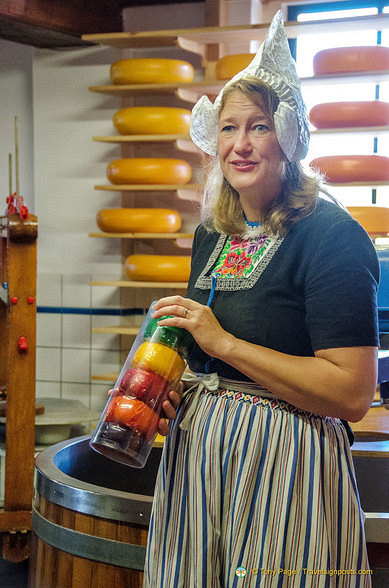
275, 65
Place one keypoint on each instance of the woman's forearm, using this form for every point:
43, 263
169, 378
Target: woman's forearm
337, 382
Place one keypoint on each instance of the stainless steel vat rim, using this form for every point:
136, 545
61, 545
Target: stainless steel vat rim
66, 491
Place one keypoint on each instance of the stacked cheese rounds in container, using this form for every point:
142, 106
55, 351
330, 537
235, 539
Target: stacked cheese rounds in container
339, 169
129, 423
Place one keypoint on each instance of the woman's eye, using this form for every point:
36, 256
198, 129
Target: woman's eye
227, 129
261, 128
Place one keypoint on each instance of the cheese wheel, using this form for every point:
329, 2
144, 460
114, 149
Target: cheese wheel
230, 65
152, 120
353, 168
158, 268
149, 170
159, 359
332, 115
350, 59
374, 219
147, 70
138, 220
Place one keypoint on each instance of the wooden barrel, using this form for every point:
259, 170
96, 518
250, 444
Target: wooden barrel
90, 518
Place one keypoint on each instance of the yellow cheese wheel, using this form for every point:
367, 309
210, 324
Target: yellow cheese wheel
149, 170
151, 71
350, 59
152, 120
230, 65
158, 268
330, 115
138, 220
353, 168
374, 219
159, 359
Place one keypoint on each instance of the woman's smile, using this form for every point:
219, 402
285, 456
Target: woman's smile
244, 166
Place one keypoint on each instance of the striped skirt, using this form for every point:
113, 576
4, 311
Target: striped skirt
255, 493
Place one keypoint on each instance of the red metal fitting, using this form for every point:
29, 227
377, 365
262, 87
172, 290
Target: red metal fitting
30, 300
22, 344
14, 299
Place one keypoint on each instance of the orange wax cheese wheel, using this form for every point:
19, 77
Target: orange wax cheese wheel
138, 220
158, 268
330, 115
350, 59
230, 65
353, 168
159, 359
152, 120
149, 170
374, 219
151, 71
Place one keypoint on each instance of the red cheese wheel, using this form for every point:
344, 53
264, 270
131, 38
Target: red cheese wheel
158, 268
353, 168
138, 220
149, 170
147, 70
152, 120
350, 59
230, 65
332, 115
374, 219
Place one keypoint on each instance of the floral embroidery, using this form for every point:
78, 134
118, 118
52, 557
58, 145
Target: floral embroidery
240, 256
260, 249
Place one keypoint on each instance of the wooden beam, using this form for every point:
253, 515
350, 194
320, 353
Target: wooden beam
72, 16
55, 23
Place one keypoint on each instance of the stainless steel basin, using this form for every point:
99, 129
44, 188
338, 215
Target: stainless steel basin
74, 476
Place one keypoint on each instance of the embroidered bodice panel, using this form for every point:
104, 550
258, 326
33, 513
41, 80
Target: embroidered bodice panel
237, 263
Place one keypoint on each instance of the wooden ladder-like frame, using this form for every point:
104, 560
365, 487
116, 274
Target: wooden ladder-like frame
18, 263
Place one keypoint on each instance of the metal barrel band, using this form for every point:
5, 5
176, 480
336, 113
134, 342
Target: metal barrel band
117, 553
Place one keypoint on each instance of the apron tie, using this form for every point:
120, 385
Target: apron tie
200, 381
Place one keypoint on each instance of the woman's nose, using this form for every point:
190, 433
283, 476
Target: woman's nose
242, 142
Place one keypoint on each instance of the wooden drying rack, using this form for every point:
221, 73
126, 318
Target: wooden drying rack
17, 376
18, 263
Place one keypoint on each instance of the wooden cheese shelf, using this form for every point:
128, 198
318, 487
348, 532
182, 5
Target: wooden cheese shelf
374, 131
355, 184
191, 91
196, 88
180, 142
195, 40
141, 138
147, 187
116, 330
133, 284
111, 377
142, 235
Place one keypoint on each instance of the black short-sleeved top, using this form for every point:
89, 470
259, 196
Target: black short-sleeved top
316, 288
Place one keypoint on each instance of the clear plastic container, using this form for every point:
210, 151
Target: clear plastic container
128, 425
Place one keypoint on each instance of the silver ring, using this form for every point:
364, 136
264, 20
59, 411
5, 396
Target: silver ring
186, 312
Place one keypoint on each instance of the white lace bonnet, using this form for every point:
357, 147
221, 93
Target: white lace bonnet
275, 65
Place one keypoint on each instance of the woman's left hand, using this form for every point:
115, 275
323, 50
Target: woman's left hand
169, 410
196, 318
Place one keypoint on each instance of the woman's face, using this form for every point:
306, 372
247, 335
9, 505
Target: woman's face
250, 156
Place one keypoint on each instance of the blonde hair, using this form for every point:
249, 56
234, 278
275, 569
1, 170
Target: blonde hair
221, 209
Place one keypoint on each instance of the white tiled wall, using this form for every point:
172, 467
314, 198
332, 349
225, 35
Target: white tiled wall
68, 353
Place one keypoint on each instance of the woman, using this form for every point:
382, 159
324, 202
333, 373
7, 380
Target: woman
256, 485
